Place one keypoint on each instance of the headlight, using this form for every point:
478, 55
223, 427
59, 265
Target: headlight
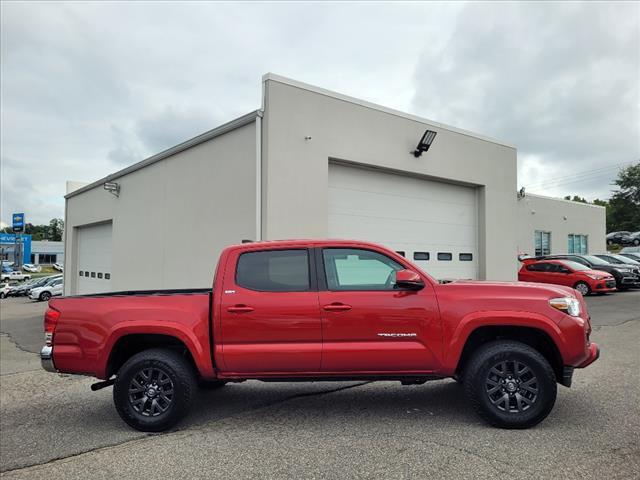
595, 277
568, 305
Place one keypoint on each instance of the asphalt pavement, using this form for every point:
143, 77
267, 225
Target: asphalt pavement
53, 426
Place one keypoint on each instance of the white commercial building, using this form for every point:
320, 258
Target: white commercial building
314, 163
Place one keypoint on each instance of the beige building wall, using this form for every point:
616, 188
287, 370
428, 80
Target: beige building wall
265, 176
561, 218
172, 217
295, 168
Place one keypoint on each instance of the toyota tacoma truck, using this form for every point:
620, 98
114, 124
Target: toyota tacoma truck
311, 310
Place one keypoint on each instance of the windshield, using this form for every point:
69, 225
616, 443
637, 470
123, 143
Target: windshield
595, 260
578, 267
624, 259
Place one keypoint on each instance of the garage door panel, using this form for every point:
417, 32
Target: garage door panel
398, 231
406, 214
94, 259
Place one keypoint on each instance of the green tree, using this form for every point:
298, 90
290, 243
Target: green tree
605, 204
624, 205
576, 198
56, 229
52, 232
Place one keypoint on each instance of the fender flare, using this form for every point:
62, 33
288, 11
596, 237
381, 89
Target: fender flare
200, 355
475, 320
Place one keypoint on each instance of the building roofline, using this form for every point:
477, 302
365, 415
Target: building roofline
181, 147
363, 103
557, 199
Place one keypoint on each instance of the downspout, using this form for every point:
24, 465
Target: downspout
259, 175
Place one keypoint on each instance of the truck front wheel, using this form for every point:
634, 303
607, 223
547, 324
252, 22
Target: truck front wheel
154, 389
510, 384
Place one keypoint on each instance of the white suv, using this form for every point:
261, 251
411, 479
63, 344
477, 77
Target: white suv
44, 293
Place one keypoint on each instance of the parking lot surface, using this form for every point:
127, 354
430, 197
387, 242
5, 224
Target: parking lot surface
53, 426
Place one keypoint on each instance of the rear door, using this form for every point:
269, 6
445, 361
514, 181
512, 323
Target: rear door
534, 272
270, 317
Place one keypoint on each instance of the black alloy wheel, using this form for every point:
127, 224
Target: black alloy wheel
154, 389
151, 392
510, 384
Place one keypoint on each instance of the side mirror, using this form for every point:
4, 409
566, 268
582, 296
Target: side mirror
409, 279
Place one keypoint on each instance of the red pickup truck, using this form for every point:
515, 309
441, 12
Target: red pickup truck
323, 310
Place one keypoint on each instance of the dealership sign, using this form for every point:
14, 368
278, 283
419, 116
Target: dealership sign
18, 222
10, 239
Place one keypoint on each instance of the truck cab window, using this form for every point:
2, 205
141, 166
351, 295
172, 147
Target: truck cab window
355, 269
274, 271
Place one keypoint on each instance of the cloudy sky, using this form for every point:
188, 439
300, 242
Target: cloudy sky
88, 88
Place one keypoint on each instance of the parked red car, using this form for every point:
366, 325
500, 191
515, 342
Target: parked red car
566, 272
323, 310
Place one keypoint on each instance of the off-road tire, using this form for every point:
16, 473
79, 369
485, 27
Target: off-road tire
479, 367
183, 382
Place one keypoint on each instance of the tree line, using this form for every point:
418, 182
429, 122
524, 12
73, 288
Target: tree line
52, 232
623, 208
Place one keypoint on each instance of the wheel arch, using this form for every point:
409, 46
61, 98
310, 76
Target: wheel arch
130, 344
536, 338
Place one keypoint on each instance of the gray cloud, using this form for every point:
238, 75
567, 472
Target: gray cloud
88, 88
169, 127
558, 80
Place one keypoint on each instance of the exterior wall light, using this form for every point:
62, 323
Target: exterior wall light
521, 193
425, 143
113, 188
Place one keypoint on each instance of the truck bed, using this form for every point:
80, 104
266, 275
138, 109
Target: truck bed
92, 326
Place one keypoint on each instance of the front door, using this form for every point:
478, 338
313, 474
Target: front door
270, 315
370, 326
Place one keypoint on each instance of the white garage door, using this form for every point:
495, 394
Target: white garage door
94, 259
432, 223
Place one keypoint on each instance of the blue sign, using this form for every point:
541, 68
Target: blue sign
18, 222
25, 240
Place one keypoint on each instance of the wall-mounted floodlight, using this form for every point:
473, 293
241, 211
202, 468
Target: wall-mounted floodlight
113, 188
521, 193
425, 143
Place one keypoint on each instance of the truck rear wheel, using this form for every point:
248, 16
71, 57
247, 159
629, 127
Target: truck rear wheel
510, 384
154, 389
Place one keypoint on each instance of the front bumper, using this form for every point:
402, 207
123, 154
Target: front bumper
594, 354
46, 359
630, 281
604, 286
